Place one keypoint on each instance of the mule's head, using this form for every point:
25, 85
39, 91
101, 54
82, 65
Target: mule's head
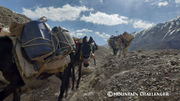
86, 51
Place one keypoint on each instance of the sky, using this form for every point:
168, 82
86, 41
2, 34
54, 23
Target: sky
98, 18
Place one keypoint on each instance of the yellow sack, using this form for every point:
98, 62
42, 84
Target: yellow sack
16, 29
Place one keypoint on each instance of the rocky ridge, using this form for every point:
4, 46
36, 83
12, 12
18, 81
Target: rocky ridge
160, 36
7, 16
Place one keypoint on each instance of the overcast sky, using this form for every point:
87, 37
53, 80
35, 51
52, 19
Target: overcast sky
98, 18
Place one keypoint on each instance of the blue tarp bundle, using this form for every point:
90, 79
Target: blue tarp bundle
36, 40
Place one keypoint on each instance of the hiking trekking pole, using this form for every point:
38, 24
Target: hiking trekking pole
117, 32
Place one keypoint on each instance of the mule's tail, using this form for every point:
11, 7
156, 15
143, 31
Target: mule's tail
109, 43
5, 32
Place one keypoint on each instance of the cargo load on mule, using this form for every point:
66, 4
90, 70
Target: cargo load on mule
128, 37
125, 37
64, 40
37, 40
120, 43
48, 50
40, 42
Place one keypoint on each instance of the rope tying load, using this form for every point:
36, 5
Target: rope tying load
58, 40
37, 35
64, 41
63, 48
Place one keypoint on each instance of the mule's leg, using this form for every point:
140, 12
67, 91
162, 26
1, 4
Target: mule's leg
65, 82
62, 87
15, 83
67, 78
124, 52
93, 56
94, 60
73, 77
114, 51
7, 91
120, 53
17, 94
79, 76
121, 47
60, 76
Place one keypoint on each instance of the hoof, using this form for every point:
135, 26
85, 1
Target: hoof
77, 87
66, 96
72, 89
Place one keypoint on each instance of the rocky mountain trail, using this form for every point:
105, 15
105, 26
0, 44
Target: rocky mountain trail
141, 73
149, 72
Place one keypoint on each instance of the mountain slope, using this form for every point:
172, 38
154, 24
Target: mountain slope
161, 36
7, 16
106, 46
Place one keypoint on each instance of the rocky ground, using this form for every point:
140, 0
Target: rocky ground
141, 76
